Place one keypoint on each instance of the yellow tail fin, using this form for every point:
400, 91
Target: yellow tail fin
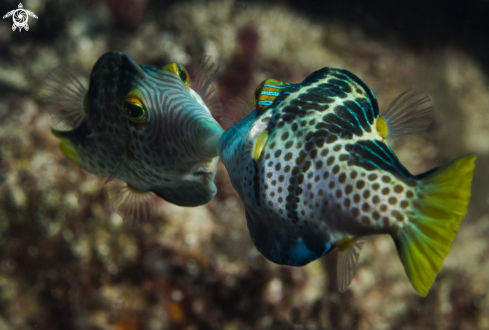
438, 208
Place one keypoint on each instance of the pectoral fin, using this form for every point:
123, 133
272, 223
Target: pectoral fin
203, 86
64, 97
134, 206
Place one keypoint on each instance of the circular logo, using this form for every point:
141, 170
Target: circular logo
20, 17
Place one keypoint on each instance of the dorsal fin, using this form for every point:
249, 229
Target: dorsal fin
64, 98
348, 256
202, 84
235, 111
409, 113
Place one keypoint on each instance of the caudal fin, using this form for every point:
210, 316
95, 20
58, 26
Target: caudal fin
438, 208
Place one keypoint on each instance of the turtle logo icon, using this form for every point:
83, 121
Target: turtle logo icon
20, 17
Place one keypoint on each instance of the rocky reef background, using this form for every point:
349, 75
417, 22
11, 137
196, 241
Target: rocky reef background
67, 261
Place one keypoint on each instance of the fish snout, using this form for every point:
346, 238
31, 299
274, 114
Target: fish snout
208, 137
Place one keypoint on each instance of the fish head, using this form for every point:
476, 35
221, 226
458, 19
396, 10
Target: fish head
160, 128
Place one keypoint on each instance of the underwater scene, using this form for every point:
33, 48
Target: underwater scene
229, 164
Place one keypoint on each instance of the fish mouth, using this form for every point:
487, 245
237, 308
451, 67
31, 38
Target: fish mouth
195, 188
188, 193
205, 168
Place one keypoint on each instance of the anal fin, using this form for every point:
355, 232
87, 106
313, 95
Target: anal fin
348, 256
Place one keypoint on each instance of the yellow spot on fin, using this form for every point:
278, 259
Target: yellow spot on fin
438, 208
348, 256
136, 191
409, 113
345, 243
85, 103
381, 126
260, 142
67, 148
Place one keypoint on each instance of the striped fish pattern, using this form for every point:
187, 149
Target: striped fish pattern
315, 172
145, 126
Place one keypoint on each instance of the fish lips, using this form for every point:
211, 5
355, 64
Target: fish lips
193, 189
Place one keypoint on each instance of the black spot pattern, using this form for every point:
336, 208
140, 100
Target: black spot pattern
310, 177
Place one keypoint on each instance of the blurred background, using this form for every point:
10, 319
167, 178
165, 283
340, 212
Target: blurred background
67, 261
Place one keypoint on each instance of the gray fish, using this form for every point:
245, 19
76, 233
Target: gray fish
143, 125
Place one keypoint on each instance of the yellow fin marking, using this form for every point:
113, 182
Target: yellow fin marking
381, 126
425, 239
345, 243
85, 103
69, 151
260, 142
136, 191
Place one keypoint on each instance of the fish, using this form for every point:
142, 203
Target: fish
147, 126
313, 167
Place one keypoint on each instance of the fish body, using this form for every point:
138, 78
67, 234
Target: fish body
315, 172
143, 125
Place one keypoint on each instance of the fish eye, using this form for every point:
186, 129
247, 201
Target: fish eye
134, 110
182, 73
256, 94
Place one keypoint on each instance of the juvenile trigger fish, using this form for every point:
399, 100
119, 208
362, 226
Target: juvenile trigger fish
143, 125
314, 170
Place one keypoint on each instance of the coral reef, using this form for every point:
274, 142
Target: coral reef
67, 261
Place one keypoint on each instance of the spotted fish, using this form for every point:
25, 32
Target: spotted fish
315, 172
143, 125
